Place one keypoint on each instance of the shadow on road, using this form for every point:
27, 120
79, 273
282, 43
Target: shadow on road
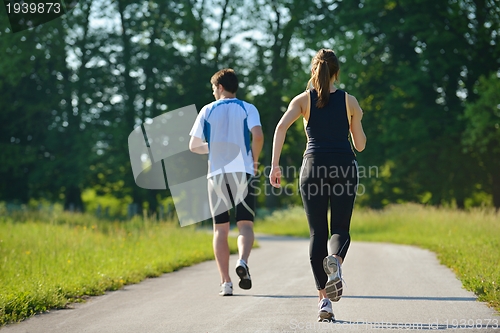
277, 296
416, 298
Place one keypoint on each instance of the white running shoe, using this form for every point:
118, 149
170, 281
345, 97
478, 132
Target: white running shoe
325, 313
244, 274
334, 284
226, 289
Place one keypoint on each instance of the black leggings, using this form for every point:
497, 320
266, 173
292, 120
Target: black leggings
327, 178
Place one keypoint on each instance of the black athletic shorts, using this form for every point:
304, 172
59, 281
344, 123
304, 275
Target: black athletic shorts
229, 190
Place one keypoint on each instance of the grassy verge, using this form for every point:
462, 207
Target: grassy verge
467, 242
48, 261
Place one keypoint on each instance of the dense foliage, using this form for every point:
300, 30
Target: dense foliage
74, 88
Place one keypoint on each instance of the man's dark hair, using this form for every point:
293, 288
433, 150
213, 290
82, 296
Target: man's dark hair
227, 77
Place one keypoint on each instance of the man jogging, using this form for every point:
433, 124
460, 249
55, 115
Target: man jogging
222, 130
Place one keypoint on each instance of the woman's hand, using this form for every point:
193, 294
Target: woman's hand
293, 113
275, 176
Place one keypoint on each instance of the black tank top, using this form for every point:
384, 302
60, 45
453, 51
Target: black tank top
328, 127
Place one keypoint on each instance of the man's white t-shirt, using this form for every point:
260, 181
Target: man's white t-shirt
225, 124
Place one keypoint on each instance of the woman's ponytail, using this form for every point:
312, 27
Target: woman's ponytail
321, 82
325, 66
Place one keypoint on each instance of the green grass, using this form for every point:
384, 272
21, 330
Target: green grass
466, 241
48, 261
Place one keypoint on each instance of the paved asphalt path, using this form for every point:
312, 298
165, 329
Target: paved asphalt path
389, 288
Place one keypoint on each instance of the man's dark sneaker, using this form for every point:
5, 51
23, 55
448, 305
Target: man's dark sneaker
244, 274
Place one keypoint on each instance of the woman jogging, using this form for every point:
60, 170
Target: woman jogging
329, 173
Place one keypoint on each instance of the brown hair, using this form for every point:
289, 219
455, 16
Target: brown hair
325, 66
227, 77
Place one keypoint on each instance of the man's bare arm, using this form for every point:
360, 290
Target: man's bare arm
196, 145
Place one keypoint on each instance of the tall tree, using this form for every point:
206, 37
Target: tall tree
482, 134
413, 75
279, 71
32, 89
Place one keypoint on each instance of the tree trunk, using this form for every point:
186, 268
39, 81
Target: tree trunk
282, 36
130, 94
495, 180
73, 199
